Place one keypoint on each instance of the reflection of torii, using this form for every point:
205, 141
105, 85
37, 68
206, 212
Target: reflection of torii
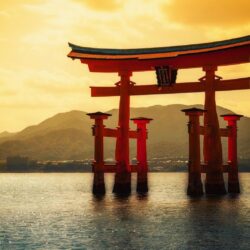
207, 56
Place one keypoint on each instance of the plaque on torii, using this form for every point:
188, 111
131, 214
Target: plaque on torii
166, 61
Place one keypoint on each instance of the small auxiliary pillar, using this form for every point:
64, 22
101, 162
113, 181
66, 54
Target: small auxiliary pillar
98, 164
233, 178
194, 166
142, 164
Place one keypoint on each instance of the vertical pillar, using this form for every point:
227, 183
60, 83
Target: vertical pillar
214, 183
142, 165
233, 177
194, 168
98, 164
122, 185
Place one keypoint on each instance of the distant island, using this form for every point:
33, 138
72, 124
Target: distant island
19, 164
64, 142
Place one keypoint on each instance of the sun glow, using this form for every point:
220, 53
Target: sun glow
38, 80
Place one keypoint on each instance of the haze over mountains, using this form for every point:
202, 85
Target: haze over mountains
68, 136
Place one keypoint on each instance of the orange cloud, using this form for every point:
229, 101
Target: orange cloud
13, 3
101, 5
209, 13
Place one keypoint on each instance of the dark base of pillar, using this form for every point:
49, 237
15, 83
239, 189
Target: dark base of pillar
234, 187
215, 189
98, 185
122, 186
99, 189
142, 187
142, 182
195, 189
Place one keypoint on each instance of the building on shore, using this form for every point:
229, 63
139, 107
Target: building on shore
19, 164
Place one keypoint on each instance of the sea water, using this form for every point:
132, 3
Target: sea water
58, 211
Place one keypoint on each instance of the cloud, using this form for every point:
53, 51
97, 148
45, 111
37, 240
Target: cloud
100, 5
38, 80
58, 83
223, 13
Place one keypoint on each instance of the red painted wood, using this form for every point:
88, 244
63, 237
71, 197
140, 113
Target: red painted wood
133, 134
189, 87
224, 132
99, 129
105, 91
98, 132
233, 178
209, 60
142, 144
212, 141
194, 167
109, 132
223, 57
122, 150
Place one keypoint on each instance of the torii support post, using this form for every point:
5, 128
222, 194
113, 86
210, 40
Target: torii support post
122, 185
194, 167
233, 177
214, 183
98, 164
142, 165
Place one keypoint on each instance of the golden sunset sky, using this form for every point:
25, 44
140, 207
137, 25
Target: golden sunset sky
37, 80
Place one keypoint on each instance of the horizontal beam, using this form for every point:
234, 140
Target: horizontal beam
233, 84
189, 87
109, 132
133, 134
224, 132
177, 88
105, 91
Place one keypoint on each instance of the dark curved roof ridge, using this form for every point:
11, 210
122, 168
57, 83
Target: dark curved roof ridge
106, 51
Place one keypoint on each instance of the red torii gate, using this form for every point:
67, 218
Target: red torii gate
207, 56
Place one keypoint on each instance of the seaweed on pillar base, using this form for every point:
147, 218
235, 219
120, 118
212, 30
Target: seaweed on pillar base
234, 187
98, 184
142, 182
195, 187
216, 188
122, 185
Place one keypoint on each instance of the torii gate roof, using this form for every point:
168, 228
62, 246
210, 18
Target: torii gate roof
227, 52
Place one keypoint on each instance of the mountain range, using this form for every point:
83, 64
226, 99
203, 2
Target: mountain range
68, 136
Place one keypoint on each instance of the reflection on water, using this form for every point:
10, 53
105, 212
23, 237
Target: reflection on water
58, 211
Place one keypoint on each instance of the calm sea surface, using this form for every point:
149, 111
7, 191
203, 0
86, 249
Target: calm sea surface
58, 211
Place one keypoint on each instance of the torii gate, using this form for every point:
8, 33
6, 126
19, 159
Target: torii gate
166, 61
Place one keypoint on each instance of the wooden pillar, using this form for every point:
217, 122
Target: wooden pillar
122, 185
194, 167
142, 165
98, 164
212, 141
233, 177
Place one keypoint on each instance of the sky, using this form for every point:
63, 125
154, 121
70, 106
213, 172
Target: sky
38, 80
